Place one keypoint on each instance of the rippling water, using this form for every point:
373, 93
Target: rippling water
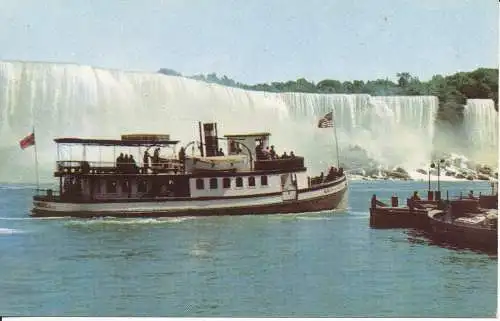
323, 264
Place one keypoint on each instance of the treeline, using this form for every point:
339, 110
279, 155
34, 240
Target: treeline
452, 91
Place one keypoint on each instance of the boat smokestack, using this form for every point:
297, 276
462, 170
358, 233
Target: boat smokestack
211, 142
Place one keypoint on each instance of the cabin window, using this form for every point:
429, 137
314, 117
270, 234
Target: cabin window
200, 183
142, 186
111, 186
239, 182
251, 181
213, 183
226, 182
263, 180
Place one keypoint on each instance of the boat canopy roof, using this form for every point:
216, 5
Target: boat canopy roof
263, 134
115, 142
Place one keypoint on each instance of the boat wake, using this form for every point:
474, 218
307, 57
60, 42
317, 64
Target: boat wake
314, 218
8, 231
127, 221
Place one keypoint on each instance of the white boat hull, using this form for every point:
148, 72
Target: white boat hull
327, 197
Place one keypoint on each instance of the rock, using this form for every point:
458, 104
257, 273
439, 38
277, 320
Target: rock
470, 177
483, 177
449, 173
459, 175
401, 170
485, 170
398, 175
422, 171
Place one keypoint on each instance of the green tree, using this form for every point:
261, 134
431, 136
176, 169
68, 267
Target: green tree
404, 79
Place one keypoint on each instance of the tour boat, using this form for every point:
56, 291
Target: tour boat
247, 179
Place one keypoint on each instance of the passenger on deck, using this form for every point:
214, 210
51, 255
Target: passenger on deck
321, 177
85, 167
415, 196
329, 176
258, 152
119, 162
182, 158
182, 155
145, 161
220, 152
132, 165
284, 155
125, 164
265, 153
156, 157
292, 155
272, 152
471, 195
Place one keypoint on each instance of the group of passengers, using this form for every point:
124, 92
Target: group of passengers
270, 154
155, 159
333, 173
126, 164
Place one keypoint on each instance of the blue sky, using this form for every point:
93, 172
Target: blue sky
257, 40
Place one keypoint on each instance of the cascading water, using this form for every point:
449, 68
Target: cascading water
63, 100
481, 130
391, 130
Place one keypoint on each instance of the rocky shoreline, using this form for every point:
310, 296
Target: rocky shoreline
452, 167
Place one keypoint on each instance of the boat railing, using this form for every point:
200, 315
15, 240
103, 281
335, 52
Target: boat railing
103, 167
296, 162
47, 193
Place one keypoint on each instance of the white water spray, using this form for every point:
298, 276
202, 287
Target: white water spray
481, 130
70, 100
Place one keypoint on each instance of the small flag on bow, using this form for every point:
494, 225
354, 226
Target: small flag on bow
27, 141
326, 121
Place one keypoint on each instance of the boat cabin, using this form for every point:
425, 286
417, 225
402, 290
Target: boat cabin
149, 166
247, 144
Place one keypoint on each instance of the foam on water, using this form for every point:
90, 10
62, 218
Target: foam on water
8, 231
127, 221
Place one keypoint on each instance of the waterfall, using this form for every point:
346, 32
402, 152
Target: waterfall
65, 100
481, 130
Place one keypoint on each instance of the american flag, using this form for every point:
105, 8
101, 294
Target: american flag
326, 121
27, 141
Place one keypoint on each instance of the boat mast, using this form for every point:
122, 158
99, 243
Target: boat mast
36, 162
335, 137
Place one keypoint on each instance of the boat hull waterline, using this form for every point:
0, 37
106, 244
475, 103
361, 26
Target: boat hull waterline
327, 197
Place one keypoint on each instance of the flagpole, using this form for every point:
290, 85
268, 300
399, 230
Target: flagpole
36, 162
335, 136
